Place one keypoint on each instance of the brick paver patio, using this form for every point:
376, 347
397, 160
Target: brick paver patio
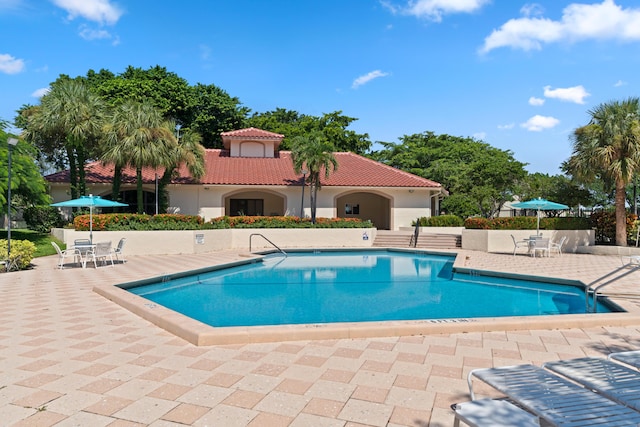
69, 357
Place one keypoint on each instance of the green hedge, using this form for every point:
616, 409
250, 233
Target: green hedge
23, 249
528, 223
124, 221
286, 222
440, 221
42, 218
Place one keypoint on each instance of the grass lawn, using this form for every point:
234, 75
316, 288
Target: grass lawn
41, 240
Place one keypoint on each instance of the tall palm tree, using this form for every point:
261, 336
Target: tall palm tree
190, 152
139, 136
609, 148
70, 119
313, 153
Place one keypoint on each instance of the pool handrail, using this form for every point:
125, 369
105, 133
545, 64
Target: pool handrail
273, 244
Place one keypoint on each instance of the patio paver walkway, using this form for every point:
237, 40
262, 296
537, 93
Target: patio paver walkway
70, 357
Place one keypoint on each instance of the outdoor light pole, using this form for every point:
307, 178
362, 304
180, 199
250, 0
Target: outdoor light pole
304, 176
12, 143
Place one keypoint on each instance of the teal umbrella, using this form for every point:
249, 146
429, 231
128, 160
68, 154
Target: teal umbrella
90, 202
540, 204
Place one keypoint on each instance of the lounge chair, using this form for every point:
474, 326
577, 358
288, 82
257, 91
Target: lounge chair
101, 251
494, 413
631, 358
613, 380
557, 247
631, 261
118, 251
555, 400
67, 253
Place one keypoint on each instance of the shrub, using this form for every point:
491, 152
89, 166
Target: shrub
127, 221
42, 218
528, 223
441, 221
604, 222
23, 249
286, 222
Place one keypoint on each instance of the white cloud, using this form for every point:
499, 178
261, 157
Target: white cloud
10, 65
620, 83
480, 136
507, 126
39, 93
433, 10
100, 11
205, 52
575, 94
538, 123
367, 78
601, 21
93, 34
531, 9
536, 102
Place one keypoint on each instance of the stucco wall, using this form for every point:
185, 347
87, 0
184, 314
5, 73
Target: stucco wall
500, 241
203, 241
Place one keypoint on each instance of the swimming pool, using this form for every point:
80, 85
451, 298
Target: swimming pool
326, 287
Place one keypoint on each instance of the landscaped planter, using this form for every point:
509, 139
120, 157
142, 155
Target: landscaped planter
202, 241
500, 241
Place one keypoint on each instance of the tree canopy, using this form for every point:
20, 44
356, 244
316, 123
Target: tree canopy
480, 178
332, 126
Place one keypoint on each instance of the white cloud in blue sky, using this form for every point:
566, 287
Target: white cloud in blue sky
10, 65
598, 21
100, 11
536, 102
41, 92
434, 10
575, 94
362, 80
539, 123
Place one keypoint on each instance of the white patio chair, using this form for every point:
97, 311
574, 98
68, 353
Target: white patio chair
102, 251
557, 247
519, 244
118, 251
542, 246
67, 253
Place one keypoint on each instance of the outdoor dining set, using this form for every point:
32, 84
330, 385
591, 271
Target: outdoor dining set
84, 251
538, 245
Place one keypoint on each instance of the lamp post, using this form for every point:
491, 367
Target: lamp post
12, 143
304, 177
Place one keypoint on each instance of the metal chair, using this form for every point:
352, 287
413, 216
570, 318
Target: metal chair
101, 251
118, 250
67, 253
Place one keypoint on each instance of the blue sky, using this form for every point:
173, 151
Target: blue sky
519, 76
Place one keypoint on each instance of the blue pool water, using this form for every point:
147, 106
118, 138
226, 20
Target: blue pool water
355, 286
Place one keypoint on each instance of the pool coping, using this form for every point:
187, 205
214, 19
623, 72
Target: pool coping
200, 334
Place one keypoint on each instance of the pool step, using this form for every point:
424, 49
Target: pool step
425, 240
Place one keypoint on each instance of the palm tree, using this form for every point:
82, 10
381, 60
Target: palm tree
138, 136
189, 151
313, 153
609, 148
70, 119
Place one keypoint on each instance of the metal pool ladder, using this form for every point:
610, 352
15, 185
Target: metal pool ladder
272, 244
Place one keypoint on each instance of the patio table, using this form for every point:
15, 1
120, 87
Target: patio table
85, 249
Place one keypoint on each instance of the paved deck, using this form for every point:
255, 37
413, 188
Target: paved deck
71, 357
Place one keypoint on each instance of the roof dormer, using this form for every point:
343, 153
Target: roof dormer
251, 142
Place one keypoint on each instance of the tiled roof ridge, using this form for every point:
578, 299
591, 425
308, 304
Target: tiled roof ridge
252, 133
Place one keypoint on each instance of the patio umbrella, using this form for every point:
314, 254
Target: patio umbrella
89, 201
540, 204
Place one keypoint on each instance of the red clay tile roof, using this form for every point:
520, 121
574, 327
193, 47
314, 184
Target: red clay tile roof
353, 171
252, 133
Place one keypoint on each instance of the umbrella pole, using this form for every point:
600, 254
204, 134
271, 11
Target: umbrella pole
91, 224
538, 222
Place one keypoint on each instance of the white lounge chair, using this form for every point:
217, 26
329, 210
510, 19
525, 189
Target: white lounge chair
494, 413
554, 399
118, 251
67, 253
519, 244
613, 380
101, 251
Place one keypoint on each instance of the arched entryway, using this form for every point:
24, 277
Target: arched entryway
366, 206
